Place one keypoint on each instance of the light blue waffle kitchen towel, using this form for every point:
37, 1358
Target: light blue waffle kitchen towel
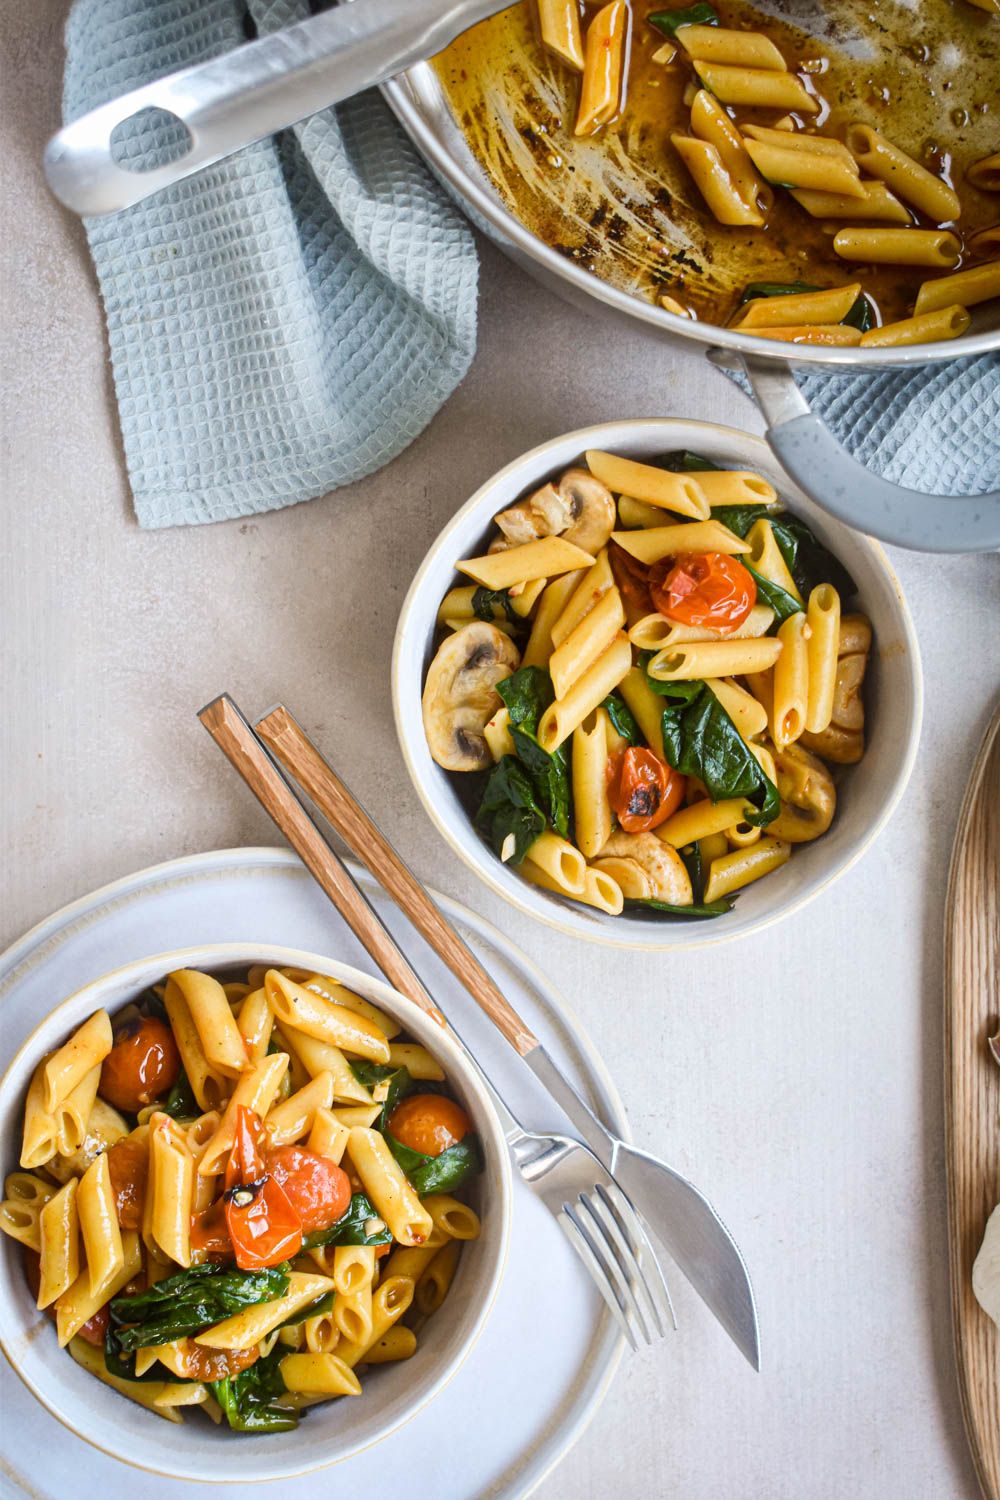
286, 321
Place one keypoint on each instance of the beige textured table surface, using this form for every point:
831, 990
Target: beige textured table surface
796, 1077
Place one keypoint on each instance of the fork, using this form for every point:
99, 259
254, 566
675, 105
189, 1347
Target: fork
582, 1195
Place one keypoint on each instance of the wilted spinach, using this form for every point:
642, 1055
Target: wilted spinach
622, 718
438, 1174
249, 1399
671, 21
350, 1228
780, 600
180, 1103
190, 1301
483, 601
509, 807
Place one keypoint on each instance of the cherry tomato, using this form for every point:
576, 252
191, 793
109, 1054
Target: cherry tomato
429, 1123
317, 1188
209, 1231
632, 578
642, 789
245, 1164
95, 1328
128, 1166
142, 1065
704, 589
200, 1363
263, 1226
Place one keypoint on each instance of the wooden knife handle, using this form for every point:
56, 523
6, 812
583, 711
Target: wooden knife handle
300, 758
237, 741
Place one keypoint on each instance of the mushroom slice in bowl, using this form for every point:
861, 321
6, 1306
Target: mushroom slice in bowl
579, 508
808, 796
668, 879
460, 694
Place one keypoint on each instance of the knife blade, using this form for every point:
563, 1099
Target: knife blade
681, 1217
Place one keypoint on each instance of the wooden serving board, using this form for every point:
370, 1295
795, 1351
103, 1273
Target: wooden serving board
972, 1093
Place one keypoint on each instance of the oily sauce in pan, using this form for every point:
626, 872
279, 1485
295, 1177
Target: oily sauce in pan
621, 203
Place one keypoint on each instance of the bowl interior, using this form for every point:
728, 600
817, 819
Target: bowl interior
867, 793
391, 1394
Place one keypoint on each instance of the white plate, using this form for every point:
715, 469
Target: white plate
548, 1353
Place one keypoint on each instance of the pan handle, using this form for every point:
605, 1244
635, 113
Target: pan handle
242, 96
810, 453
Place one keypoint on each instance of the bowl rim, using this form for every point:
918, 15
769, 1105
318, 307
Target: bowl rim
482, 861
396, 1004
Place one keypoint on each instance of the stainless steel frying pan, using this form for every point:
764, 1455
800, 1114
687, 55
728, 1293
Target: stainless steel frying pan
270, 84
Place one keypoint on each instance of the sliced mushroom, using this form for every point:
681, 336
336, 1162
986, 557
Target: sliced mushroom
845, 747
664, 867
855, 635
104, 1126
580, 508
460, 694
848, 707
808, 796
627, 874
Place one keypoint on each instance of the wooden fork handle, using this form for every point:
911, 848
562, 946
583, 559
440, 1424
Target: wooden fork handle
292, 747
238, 743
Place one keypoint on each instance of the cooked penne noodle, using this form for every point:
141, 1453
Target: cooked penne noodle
736, 487
711, 123
646, 706
173, 1191
587, 693
319, 1375
985, 242
977, 284
542, 559
767, 558
691, 824
72, 1113
256, 1090
391, 1300
353, 1268
802, 141
395, 1343
79, 1302
598, 889
98, 1216
628, 874
877, 203
76, 1059
830, 334
522, 596
700, 659
898, 247
333, 990
744, 710
592, 810
417, 1060
320, 1335
603, 57
553, 602
435, 1284
247, 1327
741, 867
305, 1010
655, 631
254, 1020
742, 835
352, 1314
822, 647
791, 681
985, 173
388, 1188
658, 487
804, 169
902, 174
592, 587
586, 642
715, 184
353, 1115
670, 541
829, 306
316, 1057
293, 1118
558, 859
634, 514
209, 1086
929, 328
213, 1020
413, 1261
496, 733
720, 44
22, 1222
328, 1136
761, 88
559, 21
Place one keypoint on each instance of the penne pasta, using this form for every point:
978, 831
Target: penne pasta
701, 659
760, 88
592, 587
720, 44
798, 168
454, 1219
744, 710
213, 1020
332, 989
388, 1188
315, 1056
353, 1268
670, 541
791, 681
767, 559
247, 1327
587, 693
79, 1302
76, 1059
154, 1395
389, 1302
822, 649
659, 487
711, 123
586, 642
328, 1136
210, 1087
319, 1375
714, 182
603, 57
72, 1114
173, 1188
560, 861
898, 170
691, 824
977, 284
395, 1343
874, 202
829, 306
255, 1020
256, 1090
985, 173
435, 1284
646, 707
305, 1010
543, 559
98, 1217
653, 632
599, 889
592, 810
553, 602
898, 247
294, 1117
820, 333
417, 1060
741, 867
559, 21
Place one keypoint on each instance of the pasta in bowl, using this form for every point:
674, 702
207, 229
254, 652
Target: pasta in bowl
243, 1184
625, 740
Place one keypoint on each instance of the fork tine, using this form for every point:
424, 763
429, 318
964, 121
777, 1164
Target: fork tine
617, 1250
632, 1227
581, 1243
612, 1273
635, 1252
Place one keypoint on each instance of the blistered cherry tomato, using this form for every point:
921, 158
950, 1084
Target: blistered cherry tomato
429, 1123
198, 1362
263, 1226
128, 1166
703, 589
142, 1065
95, 1328
316, 1187
632, 578
209, 1231
642, 789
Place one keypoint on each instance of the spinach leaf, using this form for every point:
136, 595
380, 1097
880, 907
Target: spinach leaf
249, 1399
700, 739
682, 461
780, 600
807, 559
861, 315
438, 1174
622, 718
509, 807
483, 601
702, 909
190, 1301
350, 1228
321, 1305
671, 21
757, 289
739, 518
527, 694
180, 1103
150, 1004
692, 862
399, 1080
117, 1363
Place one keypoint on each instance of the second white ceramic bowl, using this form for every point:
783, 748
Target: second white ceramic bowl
867, 793
391, 1394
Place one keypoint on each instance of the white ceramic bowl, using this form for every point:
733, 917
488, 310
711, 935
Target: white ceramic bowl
390, 1395
867, 793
